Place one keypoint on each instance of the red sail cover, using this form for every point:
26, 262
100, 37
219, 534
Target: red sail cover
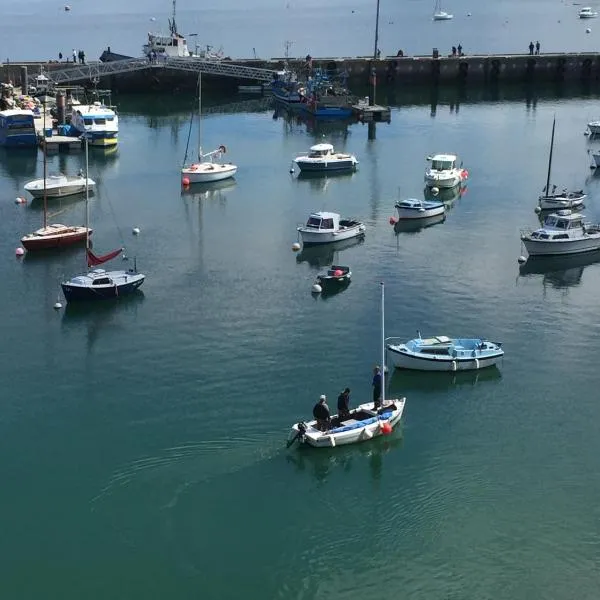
94, 261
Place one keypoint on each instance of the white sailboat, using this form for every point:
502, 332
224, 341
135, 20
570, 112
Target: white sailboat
439, 14
364, 422
207, 169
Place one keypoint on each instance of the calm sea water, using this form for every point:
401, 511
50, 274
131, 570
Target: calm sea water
142, 443
39, 30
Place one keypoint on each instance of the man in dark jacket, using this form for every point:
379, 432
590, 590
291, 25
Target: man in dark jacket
343, 405
376, 388
321, 413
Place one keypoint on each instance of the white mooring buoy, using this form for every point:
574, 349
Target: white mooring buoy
295, 246
588, 30
135, 231
316, 289
537, 210
521, 260
57, 305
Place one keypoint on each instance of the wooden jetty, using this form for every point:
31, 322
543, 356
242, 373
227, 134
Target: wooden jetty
56, 143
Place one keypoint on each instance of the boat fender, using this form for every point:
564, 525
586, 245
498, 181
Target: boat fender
454, 365
332, 441
367, 434
477, 363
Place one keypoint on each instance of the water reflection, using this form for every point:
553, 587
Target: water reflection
559, 271
320, 463
416, 225
19, 165
216, 190
299, 120
323, 256
319, 182
403, 381
94, 318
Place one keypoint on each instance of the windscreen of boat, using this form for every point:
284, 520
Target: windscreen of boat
550, 222
575, 224
317, 153
314, 222
440, 350
442, 165
562, 224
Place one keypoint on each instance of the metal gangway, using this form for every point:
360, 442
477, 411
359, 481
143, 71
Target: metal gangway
94, 71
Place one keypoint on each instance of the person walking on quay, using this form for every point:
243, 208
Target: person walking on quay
74, 56
531, 48
459, 48
453, 50
537, 47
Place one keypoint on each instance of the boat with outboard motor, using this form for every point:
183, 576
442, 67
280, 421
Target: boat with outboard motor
563, 232
413, 208
327, 227
441, 353
362, 423
336, 277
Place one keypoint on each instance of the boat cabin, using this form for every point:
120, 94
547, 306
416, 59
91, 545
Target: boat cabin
321, 151
323, 221
558, 225
435, 345
167, 45
442, 162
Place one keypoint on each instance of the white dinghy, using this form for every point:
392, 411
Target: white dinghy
363, 423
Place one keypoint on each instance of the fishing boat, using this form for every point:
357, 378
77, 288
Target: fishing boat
363, 423
323, 97
550, 200
412, 208
439, 14
207, 168
441, 353
97, 284
563, 232
443, 172
53, 235
328, 227
97, 121
322, 158
593, 128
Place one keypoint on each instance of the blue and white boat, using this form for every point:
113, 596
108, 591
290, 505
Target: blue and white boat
99, 122
441, 353
17, 128
324, 98
284, 87
412, 208
322, 158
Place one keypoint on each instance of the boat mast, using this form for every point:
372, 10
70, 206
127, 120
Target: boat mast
376, 31
550, 158
382, 343
87, 210
172, 24
45, 169
200, 116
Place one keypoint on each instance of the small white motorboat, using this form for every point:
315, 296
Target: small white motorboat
363, 423
322, 158
442, 353
587, 13
58, 186
563, 232
412, 208
327, 227
443, 172
593, 127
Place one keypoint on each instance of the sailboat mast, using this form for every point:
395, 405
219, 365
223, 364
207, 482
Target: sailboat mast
45, 169
376, 31
200, 116
382, 343
87, 210
550, 158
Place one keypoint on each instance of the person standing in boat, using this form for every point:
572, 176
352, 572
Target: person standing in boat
376, 387
343, 405
321, 413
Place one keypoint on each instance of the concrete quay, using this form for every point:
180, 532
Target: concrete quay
390, 71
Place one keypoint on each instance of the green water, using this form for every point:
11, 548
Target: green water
142, 443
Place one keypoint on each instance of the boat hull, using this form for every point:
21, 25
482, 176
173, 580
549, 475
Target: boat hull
58, 192
561, 247
558, 203
312, 238
353, 434
207, 172
594, 127
419, 213
53, 241
309, 166
405, 360
86, 293
442, 181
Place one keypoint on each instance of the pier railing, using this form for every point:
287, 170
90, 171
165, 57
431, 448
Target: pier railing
94, 71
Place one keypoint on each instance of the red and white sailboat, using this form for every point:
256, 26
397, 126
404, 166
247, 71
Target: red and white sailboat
54, 235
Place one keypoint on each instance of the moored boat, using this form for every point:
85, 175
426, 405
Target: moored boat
587, 12
323, 158
563, 232
412, 208
443, 172
98, 121
328, 227
336, 277
58, 186
442, 353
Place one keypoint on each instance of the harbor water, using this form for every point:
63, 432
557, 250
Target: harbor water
142, 442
